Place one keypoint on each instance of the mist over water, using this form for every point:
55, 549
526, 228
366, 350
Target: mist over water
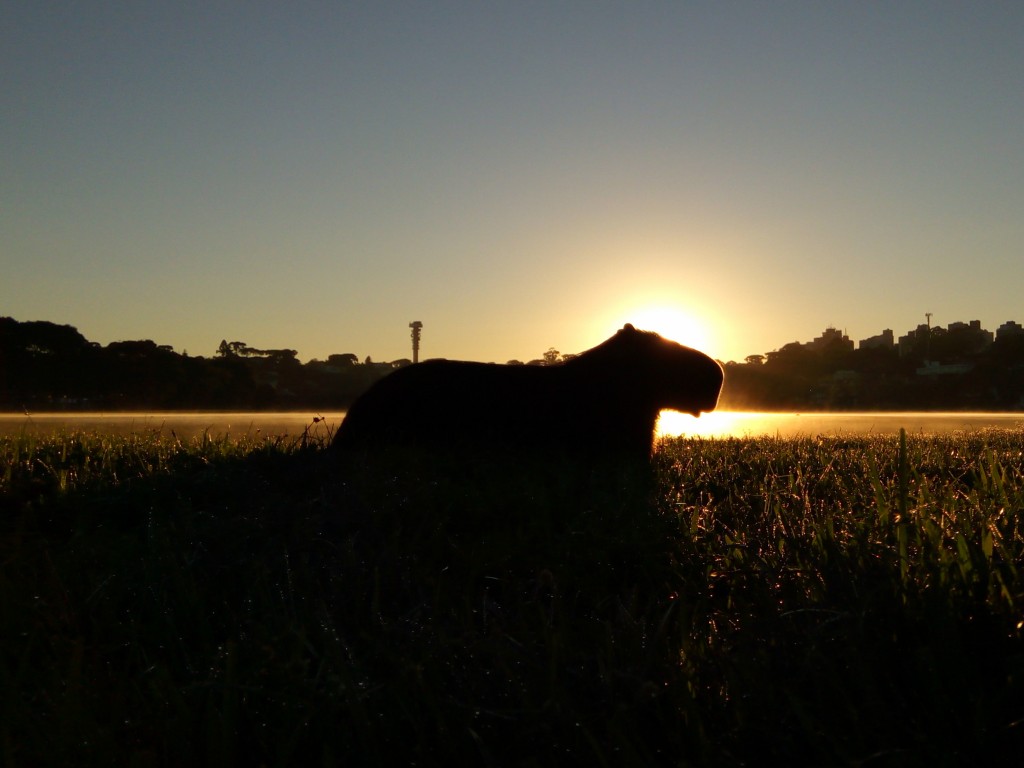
719, 424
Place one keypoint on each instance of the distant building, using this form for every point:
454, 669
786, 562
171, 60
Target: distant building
916, 338
829, 339
1009, 329
970, 337
956, 340
884, 340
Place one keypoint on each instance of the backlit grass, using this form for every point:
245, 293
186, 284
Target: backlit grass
815, 601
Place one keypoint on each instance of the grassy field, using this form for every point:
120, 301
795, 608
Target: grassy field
810, 601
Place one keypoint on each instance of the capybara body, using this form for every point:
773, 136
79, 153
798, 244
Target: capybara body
604, 401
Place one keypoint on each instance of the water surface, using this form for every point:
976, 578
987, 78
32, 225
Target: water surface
748, 423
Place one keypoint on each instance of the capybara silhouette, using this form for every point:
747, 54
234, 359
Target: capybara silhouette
604, 401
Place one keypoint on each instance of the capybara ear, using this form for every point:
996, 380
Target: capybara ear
628, 327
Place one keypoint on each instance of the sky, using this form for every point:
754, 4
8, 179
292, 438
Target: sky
514, 175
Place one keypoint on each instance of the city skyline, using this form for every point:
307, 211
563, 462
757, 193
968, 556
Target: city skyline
887, 339
727, 174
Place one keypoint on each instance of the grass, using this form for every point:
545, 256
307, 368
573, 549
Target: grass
809, 601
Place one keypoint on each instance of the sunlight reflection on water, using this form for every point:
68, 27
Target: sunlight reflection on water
748, 423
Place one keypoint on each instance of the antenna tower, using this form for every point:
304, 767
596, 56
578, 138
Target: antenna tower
928, 338
417, 327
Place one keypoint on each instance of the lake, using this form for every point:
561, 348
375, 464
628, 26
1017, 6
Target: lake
713, 425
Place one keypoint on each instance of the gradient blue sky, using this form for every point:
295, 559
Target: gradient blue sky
515, 175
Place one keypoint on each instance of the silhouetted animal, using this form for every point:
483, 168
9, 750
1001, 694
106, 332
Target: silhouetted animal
604, 401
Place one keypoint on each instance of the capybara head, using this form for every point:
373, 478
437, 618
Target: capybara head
671, 375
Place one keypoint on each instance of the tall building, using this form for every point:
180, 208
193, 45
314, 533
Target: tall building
969, 338
957, 340
884, 340
830, 338
1008, 329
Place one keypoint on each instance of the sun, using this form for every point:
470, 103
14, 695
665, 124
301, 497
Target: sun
672, 323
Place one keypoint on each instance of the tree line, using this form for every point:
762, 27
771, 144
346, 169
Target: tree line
45, 366
48, 366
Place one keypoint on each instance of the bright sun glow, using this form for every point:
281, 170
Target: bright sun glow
672, 323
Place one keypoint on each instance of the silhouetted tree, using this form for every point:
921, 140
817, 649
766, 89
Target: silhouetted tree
345, 360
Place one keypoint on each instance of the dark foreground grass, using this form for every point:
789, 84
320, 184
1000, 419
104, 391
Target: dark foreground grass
817, 601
